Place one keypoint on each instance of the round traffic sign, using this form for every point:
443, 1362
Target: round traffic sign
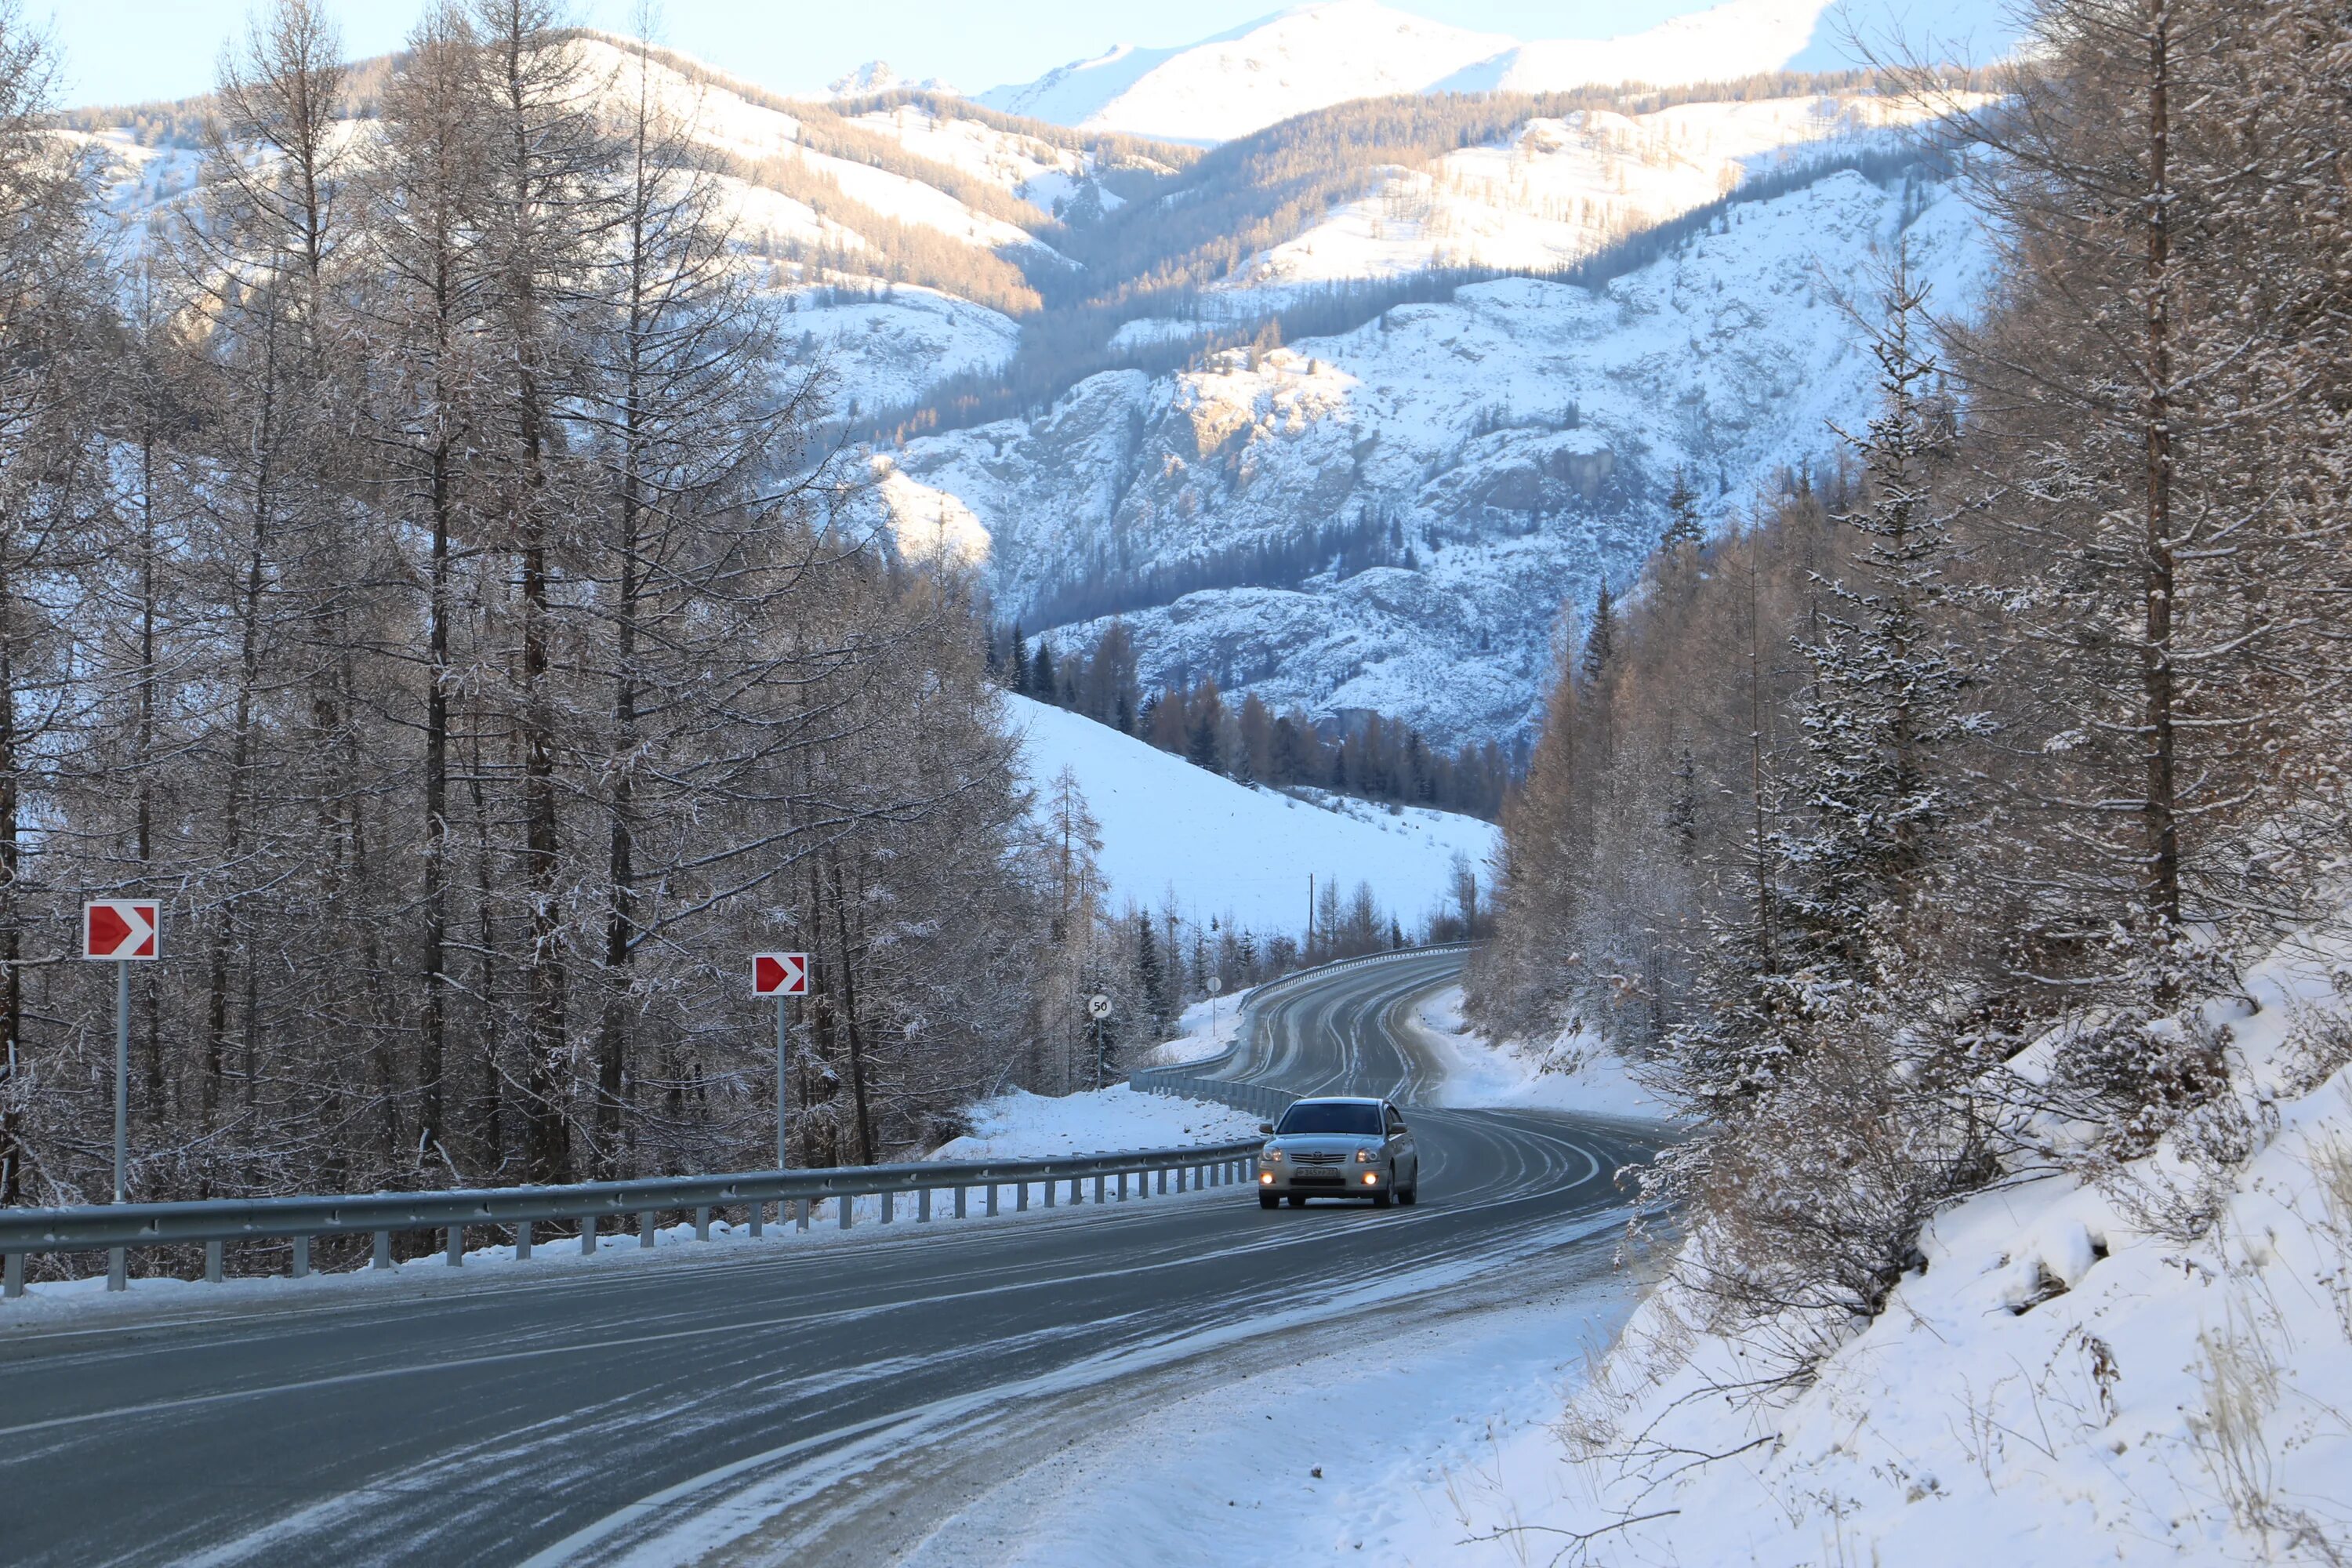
1097, 1006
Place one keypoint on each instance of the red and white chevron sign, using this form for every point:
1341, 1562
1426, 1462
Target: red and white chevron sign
780, 974
121, 928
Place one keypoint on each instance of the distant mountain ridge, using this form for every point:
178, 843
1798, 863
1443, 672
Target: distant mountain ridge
1512, 320
1311, 57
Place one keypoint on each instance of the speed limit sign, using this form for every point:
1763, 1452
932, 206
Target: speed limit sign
1097, 1006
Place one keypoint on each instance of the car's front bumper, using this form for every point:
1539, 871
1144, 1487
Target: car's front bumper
1290, 1178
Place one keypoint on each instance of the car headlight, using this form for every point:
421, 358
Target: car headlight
1364, 1156
1269, 1153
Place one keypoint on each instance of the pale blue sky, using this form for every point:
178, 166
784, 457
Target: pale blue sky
126, 51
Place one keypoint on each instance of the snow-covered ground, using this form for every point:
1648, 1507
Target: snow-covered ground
2075, 1376
1381, 1454
1018, 1125
1207, 1029
1574, 1072
1229, 852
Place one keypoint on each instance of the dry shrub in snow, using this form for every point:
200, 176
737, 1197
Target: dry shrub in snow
1807, 1210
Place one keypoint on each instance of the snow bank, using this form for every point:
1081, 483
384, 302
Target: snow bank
1225, 850
2073, 1377
1342, 1458
1574, 1072
1207, 1029
1018, 1125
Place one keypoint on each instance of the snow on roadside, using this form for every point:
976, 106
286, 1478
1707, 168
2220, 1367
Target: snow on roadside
1575, 1072
1018, 1125
2076, 1375
1207, 1029
1315, 1462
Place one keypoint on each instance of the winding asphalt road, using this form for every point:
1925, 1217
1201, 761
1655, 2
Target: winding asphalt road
780, 1402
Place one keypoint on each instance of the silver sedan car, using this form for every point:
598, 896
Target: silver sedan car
1330, 1147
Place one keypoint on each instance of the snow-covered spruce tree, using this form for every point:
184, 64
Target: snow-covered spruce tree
1889, 689
1848, 1115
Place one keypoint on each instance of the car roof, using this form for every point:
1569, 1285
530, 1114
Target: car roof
1339, 1100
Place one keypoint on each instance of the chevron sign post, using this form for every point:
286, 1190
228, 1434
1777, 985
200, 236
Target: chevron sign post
781, 975
122, 932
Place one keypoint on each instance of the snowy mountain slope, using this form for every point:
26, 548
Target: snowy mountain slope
1315, 56
889, 350
1557, 189
1306, 58
1232, 852
1520, 438
1004, 158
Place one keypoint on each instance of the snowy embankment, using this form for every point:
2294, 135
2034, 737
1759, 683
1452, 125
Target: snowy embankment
1232, 851
1018, 1125
1573, 1072
2154, 1367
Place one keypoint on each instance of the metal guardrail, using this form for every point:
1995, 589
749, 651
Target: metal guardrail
216, 1222
117, 1227
1264, 1098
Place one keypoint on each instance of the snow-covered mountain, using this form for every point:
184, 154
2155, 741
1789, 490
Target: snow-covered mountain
1313, 56
1383, 517
1491, 457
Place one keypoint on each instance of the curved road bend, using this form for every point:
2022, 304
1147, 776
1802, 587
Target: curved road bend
766, 1404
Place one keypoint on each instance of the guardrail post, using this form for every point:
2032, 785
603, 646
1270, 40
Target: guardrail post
118, 1270
801, 1213
702, 1223
1122, 1186
1163, 1181
648, 1229
1099, 1189
301, 1269
213, 1262
961, 1200
522, 1241
12, 1276
1020, 1197
759, 1220
588, 1235
380, 1257
848, 1201
923, 1207
456, 1238
1047, 1188
991, 1200
889, 1208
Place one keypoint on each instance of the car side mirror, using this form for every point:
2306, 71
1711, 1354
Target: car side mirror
1265, 1126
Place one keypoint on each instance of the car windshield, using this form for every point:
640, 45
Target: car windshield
1325, 1116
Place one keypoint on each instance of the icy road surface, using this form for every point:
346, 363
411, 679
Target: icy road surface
841, 1404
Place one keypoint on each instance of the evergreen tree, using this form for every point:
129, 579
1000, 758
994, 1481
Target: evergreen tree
1600, 640
1150, 981
1042, 684
1886, 691
1683, 527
